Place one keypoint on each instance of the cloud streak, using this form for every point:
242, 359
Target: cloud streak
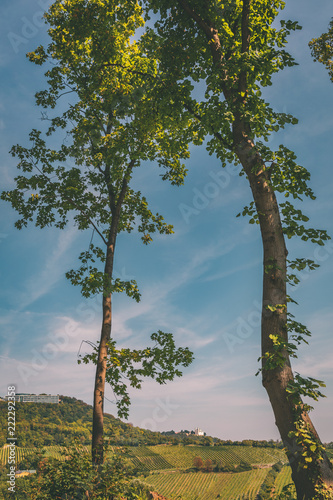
53, 270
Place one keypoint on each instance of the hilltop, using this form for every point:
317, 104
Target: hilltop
47, 424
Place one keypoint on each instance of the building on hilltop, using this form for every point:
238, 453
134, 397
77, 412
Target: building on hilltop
199, 432
35, 398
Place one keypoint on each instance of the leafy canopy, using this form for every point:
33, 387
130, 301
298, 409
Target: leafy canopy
113, 122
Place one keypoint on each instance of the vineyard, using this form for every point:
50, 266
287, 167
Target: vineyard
225, 486
192, 486
145, 458
283, 479
168, 466
176, 483
181, 457
21, 453
162, 457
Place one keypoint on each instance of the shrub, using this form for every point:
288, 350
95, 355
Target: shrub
77, 478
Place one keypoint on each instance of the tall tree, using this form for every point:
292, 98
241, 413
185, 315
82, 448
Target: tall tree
232, 49
112, 124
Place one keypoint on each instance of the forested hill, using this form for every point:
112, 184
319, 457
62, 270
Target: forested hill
46, 424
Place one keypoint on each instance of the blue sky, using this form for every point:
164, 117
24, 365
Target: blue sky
203, 283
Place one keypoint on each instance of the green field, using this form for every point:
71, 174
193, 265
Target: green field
167, 465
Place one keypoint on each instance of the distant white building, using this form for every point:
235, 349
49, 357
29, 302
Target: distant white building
199, 432
35, 398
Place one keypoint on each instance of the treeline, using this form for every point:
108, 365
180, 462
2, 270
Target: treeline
188, 437
209, 465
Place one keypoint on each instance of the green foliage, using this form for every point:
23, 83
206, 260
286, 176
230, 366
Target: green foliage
43, 424
299, 265
93, 281
291, 227
76, 477
267, 486
322, 49
286, 175
310, 447
114, 122
126, 367
288, 493
182, 45
306, 387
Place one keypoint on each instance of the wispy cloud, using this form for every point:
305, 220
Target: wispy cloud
234, 270
51, 272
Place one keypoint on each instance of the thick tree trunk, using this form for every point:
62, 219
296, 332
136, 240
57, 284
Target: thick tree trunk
275, 256
274, 322
99, 388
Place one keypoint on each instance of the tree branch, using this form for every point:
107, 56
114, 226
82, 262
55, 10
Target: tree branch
75, 205
124, 185
191, 12
246, 37
210, 32
217, 135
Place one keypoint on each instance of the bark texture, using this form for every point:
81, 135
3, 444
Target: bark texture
99, 389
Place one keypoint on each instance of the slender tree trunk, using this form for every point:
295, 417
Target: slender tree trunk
99, 389
274, 293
